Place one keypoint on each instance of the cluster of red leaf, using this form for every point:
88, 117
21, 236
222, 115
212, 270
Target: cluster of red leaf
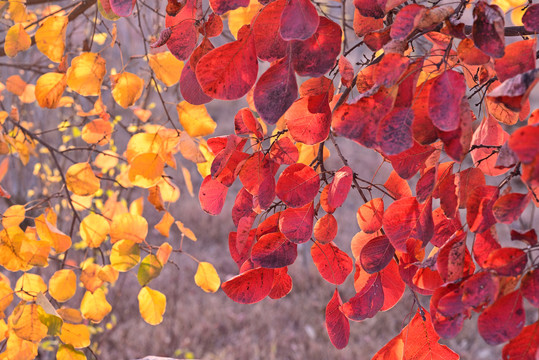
412, 109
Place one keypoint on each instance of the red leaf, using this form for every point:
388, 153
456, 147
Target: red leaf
190, 88
404, 22
299, 20
507, 261
229, 71
233, 246
519, 57
282, 284
444, 100
523, 142
340, 186
163, 38
370, 215
425, 184
337, 324
513, 93
284, 152
397, 186
316, 55
450, 261
526, 345
366, 303
469, 54
376, 40
122, 8
394, 133
270, 225
276, 91
245, 123
254, 171
297, 223
376, 254
444, 228
370, 8
479, 208
222, 6
390, 69
309, 119
468, 180
405, 219
509, 207
274, 251
325, 229
249, 287
346, 70
503, 320
324, 200
408, 162
270, 46
457, 142
488, 29
243, 206
364, 25
205, 47
317, 86
423, 130
392, 285
529, 287
212, 196
183, 39
298, 185
212, 27
530, 19
485, 243
479, 290
332, 263
529, 237
446, 299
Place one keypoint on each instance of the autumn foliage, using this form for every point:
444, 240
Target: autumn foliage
439, 90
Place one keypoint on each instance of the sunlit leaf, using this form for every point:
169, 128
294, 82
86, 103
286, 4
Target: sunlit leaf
126, 88
50, 37
152, 305
81, 180
86, 74
207, 278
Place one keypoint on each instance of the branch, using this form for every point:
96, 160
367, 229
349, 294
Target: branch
507, 31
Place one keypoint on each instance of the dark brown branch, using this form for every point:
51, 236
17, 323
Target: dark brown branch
508, 30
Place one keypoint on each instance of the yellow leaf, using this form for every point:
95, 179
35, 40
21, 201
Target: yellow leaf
186, 231
16, 85
137, 206
70, 315
108, 274
155, 198
17, 40
169, 191
11, 240
63, 285
166, 67
164, 225
19, 349
163, 253
98, 131
6, 296
149, 269
89, 277
207, 278
50, 233
49, 89
128, 226
126, 88
34, 252
13, 216
152, 305
204, 168
29, 285
81, 179
86, 74
17, 10
94, 229
67, 352
143, 143
106, 160
3, 331
307, 153
28, 96
76, 335
50, 37
195, 119
146, 170
95, 307
26, 324
242, 16
188, 182
189, 149
124, 255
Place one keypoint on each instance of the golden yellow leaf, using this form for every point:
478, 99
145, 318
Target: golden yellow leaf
81, 202
17, 10
155, 198
17, 40
94, 306
163, 253
106, 160
11, 240
16, 85
49, 89
204, 168
52, 235
81, 179
97, 131
152, 305
94, 229
186, 231
308, 153
51, 36
207, 278
6, 296
13, 216
67, 352
3, 331
34, 252
126, 88
28, 96
124, 255
108, 274
143, 143
195, 119
86, 74
164, 225
137, 206
187, 180
89, 277
26, 323
128, 227
169, 191
63, 285
166, 67
19, 349
242, 16
76, 335
189, 149
150, 268
29, 285
146, 170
